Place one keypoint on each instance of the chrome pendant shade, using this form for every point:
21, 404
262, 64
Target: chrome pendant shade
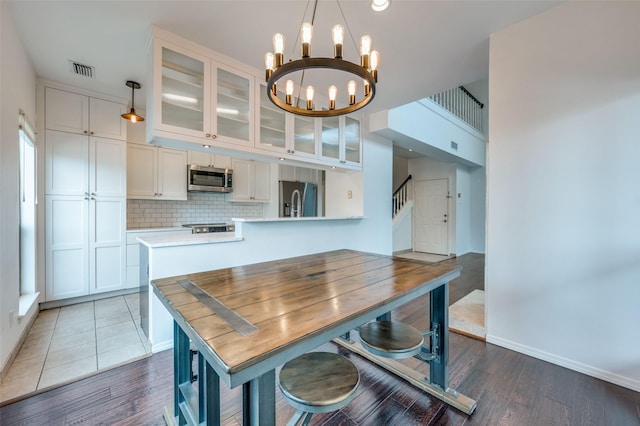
366, 72
131, 115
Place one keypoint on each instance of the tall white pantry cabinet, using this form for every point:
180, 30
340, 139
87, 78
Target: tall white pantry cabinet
85, 195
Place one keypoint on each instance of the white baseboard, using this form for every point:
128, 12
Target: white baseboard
162, 346
598, 373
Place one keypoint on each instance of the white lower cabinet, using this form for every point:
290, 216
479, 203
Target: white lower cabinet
251, 181
156, 173
85, 245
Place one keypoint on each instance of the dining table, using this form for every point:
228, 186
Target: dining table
243, 322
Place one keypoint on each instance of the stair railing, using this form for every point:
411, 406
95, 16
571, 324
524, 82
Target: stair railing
400, 196
461, 103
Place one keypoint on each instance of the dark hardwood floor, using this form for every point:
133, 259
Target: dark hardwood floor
511, 388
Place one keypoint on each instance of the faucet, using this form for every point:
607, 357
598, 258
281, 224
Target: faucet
295, 211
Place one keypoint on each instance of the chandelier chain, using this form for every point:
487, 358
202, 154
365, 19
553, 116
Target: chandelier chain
346, 24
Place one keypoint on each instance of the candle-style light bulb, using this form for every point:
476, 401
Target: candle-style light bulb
365, 50
278, 48
310, 92
307, 31
374, 62
288, 90
133, 118
269, 62
337, 34
333, 93
351, 89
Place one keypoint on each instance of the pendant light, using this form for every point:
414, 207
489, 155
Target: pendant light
131, 115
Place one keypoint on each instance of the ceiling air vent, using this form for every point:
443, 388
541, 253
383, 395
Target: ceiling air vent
454, 145
83, 70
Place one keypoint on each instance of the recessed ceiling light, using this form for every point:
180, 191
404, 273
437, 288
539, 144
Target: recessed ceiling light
380, 5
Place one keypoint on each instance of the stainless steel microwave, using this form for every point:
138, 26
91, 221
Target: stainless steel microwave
209, 179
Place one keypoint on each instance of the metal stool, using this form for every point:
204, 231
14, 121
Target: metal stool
391, 339
317, 382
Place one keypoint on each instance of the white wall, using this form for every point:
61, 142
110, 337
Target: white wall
462, 198
478, 210
563, 232
17, 91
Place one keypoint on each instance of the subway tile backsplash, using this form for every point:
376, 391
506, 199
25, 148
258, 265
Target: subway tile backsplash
199, 208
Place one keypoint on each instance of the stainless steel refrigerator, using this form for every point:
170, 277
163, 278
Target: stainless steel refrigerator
298, 199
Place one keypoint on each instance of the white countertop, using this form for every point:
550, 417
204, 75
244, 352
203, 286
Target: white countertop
295, 219
173, 229
173, 240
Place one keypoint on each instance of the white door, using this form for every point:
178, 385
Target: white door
262, 181
141, 171
431, 216
108, 159
66, 259
242, 188
67, 168
172, 174
107, 244
105, 120
66, 111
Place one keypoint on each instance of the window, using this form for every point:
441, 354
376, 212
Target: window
28, 202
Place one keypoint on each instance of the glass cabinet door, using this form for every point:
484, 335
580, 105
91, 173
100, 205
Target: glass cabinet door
233, 105
272, 132
352, 140
304, 135
330, 138
184, 97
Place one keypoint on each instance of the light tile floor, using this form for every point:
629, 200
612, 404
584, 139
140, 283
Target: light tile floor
75, 341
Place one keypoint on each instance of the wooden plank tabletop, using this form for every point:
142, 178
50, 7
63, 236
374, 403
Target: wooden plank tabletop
291, 300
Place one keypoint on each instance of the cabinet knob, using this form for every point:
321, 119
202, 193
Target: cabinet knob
91, 133
208, 135
214, 136
85, 132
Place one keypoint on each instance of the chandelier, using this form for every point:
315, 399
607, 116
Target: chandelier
366, 71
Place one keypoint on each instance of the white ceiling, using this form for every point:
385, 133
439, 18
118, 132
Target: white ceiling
425, 46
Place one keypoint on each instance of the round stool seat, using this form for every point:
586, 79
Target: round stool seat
319, 382
391, 339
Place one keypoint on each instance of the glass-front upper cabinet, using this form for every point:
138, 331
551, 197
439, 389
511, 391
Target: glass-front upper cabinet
283, 132
330, 138
197, 97
352, 141
233, 98
182, 99
304, 135
341, 142
271, 133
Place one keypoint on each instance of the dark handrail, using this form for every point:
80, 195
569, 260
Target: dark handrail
466, 92
402, 184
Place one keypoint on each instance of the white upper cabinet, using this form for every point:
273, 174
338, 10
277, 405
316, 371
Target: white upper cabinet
77, 113
290, 135
251, 181
209, 160
156, 173
201, 97
198, 99
341, 142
